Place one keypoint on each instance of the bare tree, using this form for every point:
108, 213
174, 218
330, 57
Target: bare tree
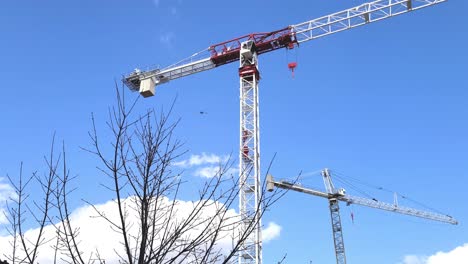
67, 236
139, 165
26, 249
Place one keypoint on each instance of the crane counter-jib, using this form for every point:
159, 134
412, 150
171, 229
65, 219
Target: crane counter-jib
220, 54
147, 80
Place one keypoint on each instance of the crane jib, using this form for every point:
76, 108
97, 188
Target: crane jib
228, 51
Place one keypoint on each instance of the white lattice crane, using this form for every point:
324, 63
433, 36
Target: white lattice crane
246, 50
335, 195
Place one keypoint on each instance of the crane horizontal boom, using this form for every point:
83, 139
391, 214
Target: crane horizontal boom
363, 201
356, 16
398, 209
228, 51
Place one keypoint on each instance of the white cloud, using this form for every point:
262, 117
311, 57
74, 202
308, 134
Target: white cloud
96, 233
272, 231
172, 6
458, 255
6, 193
207, 165
212, 171
413, 259
157, 3
208, 172
203, 159
167, 38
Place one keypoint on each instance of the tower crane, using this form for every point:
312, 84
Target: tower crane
246, 49
335, 195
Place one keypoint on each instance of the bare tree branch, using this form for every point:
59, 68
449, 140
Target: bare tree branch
154, 225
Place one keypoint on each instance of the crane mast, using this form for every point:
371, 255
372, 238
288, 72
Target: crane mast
335, 195
249, 157
246, 50
335, 217
337, 230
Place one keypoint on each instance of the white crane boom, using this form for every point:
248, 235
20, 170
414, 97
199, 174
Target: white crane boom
334, 195
356, 16
348, 199
398, 209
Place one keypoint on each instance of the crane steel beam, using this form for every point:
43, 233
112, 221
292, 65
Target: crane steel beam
334, 207
249, 155
290, 186
334, 195
398, 209
348, 199
356, 16
337, 231
187, 67
228, 51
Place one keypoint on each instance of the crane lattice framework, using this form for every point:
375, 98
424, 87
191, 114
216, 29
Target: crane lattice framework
246, 50
335, 195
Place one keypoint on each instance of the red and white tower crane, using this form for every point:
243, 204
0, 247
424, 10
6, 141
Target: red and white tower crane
335, 195
246, 50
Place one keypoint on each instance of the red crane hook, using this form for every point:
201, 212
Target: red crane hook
292, 66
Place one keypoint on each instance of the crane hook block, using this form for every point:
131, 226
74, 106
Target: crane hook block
292, 66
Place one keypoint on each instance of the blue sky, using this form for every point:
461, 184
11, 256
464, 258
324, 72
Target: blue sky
385, 103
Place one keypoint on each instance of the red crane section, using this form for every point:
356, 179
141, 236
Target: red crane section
228, 51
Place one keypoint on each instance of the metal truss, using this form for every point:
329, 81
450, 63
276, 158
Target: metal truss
398, 209
337, 231
335, 195
373, 203
356, 16
249, 162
